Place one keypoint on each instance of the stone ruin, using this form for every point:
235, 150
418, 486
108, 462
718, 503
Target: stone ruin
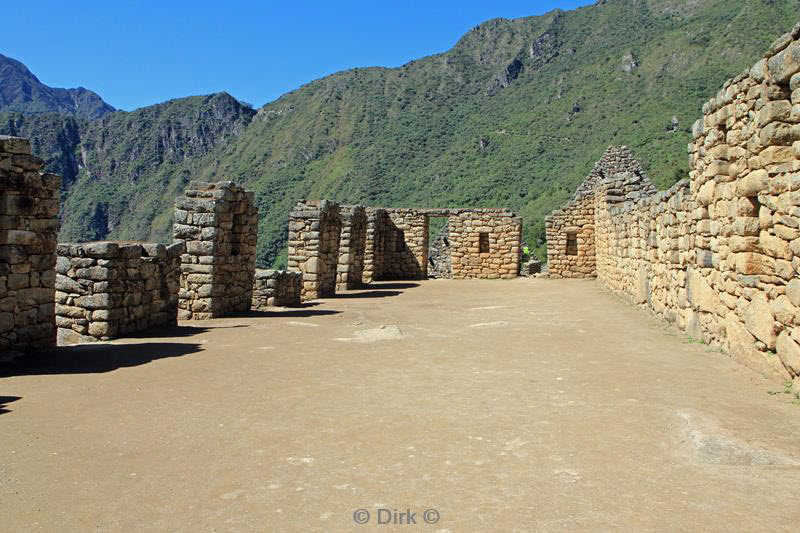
481, 243
399, 244
570, 231
107, 289
98, 291
28, 232
352, 244
276, 288
315, 228
717, 255
219, 224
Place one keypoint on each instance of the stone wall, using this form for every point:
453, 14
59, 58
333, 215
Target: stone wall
107, 289
719, 255
397, 243
315, 228
570, 231
399, 239
29, 202
484, 243
352, 245
276, 288
219, 224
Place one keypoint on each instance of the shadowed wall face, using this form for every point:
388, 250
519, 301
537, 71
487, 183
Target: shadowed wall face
219, 223
29, 202
315, 229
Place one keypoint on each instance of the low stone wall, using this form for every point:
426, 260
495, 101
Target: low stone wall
352, 245
107, 289
315, 228
29, 202
276, 288
219, 224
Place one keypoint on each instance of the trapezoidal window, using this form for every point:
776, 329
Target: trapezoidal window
572, 244
483, 243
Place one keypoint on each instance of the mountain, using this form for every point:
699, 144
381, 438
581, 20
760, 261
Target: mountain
514, 115
21, 91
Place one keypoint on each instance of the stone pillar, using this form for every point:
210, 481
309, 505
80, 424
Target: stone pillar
374, 246
107, 289
219, 224
29, 202
314, 231
352, 245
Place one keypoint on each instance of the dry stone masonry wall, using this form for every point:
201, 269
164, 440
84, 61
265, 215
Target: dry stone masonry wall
276, 288
29, 202
219, 224
315, 228
570, 231
352, 244
401, 243
484, 243
719, 254
107, 289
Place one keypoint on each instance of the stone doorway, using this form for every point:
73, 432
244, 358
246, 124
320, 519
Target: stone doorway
440, 263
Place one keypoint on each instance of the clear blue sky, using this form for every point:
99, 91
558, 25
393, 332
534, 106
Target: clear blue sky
140, 53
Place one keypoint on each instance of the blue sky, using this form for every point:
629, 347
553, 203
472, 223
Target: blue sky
140, 53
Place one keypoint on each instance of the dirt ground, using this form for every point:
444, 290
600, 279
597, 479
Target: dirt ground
530, 405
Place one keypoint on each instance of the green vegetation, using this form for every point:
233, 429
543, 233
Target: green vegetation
450, 130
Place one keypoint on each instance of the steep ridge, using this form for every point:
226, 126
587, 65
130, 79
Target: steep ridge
21, 91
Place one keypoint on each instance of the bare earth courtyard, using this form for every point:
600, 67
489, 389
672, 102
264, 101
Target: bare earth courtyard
502, 405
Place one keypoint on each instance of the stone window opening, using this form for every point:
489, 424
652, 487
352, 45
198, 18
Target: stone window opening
756, 203
572, 244
483, 243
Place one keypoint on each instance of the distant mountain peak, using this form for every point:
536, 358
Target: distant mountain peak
21, 91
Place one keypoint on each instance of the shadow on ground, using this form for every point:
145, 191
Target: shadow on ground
175, 331
7, 399
93, 358
368, 294
285, 313
390, 285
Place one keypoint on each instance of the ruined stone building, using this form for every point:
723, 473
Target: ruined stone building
361, 245
718, 254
